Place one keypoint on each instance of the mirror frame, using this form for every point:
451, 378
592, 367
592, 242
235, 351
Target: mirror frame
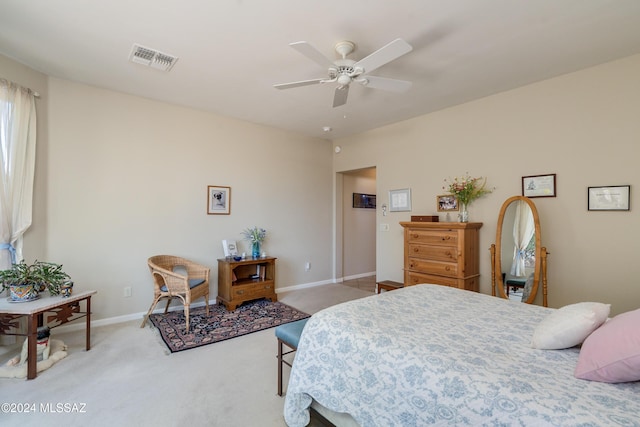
540, 270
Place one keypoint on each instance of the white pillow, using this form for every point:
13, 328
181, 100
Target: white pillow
570, 325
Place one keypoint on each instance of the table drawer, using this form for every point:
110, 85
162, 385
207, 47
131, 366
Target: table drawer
254, 290
433, 237
436, 253
433, 267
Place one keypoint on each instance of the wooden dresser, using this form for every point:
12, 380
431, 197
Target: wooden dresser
443, 253
246, 280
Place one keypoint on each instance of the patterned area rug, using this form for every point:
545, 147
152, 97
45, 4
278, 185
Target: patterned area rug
222, 324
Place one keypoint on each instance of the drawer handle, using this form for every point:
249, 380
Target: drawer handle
446, 238
240, 292
415, 236
447, 268
416, 250
267, 287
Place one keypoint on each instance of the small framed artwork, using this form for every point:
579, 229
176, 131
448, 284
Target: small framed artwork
612, 198
230, 248
400, 200
539, 185
366, 201
447, 203
218, 200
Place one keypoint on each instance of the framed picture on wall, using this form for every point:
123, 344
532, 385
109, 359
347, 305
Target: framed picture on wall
366, 201
539, 185
400, 200
218, 200
447, 203
613, 198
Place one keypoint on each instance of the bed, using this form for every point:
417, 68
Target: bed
434, 355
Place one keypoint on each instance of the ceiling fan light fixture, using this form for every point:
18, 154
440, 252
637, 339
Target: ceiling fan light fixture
343, 71
344, 80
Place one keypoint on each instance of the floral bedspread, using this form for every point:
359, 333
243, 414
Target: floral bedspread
433, 355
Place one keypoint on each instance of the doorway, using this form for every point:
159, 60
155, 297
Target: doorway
356, 226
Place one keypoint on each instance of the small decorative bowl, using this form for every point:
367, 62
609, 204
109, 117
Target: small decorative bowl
237, 258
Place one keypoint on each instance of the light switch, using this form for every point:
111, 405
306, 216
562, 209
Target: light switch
384, 227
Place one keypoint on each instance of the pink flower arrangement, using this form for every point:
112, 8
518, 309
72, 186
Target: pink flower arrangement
467, 189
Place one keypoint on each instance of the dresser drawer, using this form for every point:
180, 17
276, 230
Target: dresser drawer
433, 237
436, 253
412, 278
433, 267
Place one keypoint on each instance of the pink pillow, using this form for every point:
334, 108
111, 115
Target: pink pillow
611, 354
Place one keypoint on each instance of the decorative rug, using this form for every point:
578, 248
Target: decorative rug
221, 324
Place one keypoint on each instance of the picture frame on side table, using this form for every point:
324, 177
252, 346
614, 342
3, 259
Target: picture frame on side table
539, 185
218, 200
611, 198
447, 203
230, 248
400, 200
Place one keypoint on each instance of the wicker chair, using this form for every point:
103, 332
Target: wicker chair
170, 282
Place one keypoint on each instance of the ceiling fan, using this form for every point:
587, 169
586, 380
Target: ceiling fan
344, 71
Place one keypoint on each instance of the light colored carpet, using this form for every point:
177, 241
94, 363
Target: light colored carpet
129, 379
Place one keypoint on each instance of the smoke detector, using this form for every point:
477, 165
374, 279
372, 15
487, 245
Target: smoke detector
152, 58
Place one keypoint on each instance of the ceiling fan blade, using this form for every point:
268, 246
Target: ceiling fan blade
384, 83
312, 53
340, 96
384, 55
298, 84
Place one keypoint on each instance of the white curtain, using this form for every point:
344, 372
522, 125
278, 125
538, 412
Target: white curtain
17, 168
523, 230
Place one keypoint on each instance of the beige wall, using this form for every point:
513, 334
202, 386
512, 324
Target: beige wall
582, 126
129, 176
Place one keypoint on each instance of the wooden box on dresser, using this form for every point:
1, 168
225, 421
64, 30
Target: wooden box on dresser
246, 280
442, 253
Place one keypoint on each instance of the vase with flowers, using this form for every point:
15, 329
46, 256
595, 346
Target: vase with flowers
256, 236
466, 189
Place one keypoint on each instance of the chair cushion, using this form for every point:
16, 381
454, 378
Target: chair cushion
192, 284
290, 332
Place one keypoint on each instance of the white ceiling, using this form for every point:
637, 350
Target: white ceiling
231, 53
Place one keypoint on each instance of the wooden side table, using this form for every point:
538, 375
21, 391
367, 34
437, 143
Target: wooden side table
388, 285
246, 280
62, 310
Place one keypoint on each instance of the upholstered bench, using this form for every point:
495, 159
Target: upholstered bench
289, 335
515, 284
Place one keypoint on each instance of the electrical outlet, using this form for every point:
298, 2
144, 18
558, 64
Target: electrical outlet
384, 227
127, 292
307, 266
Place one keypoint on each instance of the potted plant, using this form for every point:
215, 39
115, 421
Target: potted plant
25, 281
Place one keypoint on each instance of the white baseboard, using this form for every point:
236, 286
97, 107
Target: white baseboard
358, 276
80, 324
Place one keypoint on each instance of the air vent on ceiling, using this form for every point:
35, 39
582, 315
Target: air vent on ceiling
152, 58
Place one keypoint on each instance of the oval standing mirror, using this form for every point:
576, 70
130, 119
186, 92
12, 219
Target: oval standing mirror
519, 262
